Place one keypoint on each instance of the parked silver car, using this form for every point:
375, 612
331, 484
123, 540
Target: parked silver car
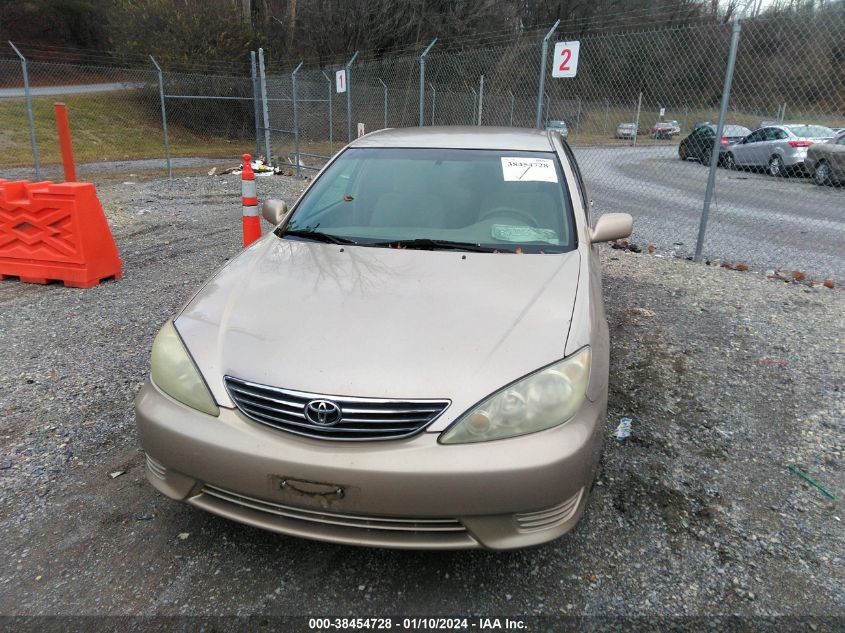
778, 148
626, 130
558, 126
826, 161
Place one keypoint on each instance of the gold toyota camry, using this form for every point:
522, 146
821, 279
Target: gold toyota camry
416, 356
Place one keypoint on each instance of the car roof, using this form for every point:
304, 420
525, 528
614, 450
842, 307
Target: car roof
459, 137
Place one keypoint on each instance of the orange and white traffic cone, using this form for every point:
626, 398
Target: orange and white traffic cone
251, 222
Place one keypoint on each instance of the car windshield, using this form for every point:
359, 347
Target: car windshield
627, 125
811, 131
491, 200
735, 130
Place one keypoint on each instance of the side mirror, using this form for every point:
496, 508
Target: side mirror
274, 211
612, 226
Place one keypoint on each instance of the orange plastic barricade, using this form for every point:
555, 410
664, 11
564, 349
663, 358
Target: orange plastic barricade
55, 232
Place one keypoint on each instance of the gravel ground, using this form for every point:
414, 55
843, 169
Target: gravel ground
729, 378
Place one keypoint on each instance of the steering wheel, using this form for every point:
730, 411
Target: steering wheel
508, 211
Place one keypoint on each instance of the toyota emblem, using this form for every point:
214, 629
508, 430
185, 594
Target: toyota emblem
323, 412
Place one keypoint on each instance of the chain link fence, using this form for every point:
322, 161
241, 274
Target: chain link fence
641, 114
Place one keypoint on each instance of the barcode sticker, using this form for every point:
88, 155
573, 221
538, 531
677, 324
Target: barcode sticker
528, 170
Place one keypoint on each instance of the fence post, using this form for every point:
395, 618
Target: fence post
295, 120
510, 120
686, 117
422, 81
578, 119
349, 96
474, 104
637, 120
541, 89
263, 78
384, 85
28, 97
480, 98
163, 118
714, 153
256, 114
546, 101
606, 114
433, 100
331, 125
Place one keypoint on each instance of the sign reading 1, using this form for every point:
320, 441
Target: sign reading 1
340, 80
565, 63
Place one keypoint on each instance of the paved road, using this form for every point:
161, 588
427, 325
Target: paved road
768, 222
44, 91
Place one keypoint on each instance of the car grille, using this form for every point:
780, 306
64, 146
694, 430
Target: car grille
360, 419
550, 517
386, 524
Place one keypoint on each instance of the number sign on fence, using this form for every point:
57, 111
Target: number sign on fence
566, 59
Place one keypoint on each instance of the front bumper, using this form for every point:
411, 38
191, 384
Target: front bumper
412, 493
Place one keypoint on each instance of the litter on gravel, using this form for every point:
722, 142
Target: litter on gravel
623, 430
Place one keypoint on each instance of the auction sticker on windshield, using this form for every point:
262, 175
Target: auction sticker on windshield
509, 233
528, 170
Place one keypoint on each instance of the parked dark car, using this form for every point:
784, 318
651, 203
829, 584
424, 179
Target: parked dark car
699, 144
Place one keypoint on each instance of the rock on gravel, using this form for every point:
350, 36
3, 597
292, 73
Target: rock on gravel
729, 378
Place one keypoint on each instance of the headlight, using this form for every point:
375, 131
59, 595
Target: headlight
175, 374
540, 401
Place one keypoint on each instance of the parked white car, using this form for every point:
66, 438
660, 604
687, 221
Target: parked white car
779, 148
626, 130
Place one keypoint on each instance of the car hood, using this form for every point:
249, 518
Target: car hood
378, 322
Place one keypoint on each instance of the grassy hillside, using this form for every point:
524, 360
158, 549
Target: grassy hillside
105, 127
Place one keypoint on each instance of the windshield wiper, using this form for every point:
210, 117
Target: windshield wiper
427, 244
318, 236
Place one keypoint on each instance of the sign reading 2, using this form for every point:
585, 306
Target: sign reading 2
566, 59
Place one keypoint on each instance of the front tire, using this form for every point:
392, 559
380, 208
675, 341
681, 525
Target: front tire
822, 175
729, 162
776, 166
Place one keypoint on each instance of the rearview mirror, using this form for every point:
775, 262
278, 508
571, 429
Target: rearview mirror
611, 226
274, 211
